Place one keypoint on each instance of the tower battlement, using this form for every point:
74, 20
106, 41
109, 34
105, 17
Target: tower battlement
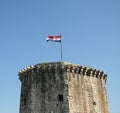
63, 67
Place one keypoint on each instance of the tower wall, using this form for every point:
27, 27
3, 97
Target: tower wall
62, 88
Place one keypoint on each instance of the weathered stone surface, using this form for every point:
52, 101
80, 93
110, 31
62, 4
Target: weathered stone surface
62, 87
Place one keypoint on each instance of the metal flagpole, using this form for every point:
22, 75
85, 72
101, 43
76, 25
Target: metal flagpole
61, 50
61, 46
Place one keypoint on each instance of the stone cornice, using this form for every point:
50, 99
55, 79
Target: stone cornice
63, 67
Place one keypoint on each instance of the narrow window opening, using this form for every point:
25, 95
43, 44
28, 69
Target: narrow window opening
60, 97
25, 101
94, 103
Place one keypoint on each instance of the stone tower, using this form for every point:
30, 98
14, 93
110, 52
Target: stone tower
62, 87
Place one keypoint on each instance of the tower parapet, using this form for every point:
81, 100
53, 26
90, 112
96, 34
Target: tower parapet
63, 67
62, 87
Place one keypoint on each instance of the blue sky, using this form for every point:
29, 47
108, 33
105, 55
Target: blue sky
90, 37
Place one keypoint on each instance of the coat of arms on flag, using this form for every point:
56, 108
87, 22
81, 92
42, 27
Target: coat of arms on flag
54, 38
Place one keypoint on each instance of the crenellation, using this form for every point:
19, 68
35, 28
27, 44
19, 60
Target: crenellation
61, 67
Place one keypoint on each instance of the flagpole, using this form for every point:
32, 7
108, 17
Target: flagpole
61, 46
56, 39
61, 50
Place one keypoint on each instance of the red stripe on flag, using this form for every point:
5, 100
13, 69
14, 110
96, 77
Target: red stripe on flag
53, 37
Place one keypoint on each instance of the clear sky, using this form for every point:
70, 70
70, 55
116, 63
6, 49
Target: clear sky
90, 37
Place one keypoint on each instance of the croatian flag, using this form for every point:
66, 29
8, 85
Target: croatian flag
54, 38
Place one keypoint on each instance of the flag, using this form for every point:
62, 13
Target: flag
54, 38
